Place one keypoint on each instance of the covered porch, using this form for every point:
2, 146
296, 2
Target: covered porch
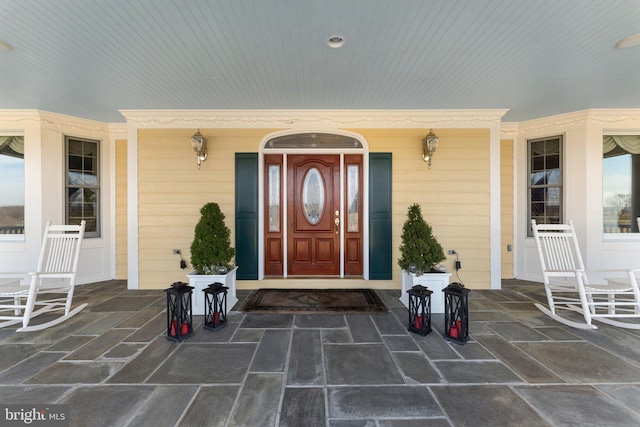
113, 366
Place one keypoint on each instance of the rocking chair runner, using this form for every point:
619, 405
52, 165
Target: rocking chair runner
568, 288
48, 289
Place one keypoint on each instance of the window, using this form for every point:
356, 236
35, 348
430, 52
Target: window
83, 184
11, 187
620, 180
353, 210
274, 198
545, 181
313, 140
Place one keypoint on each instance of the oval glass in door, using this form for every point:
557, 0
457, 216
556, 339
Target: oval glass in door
313, 196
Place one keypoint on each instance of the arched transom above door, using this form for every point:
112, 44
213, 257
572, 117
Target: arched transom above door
313, 140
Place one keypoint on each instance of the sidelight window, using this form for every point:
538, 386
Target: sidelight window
274, 198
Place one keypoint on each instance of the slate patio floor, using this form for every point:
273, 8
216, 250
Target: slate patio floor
113, 366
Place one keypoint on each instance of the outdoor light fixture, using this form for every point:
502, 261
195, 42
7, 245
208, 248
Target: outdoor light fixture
335, 42
429, 145
199, 144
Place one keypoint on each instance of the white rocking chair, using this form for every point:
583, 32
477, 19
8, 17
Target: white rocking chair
567, 286
48, 289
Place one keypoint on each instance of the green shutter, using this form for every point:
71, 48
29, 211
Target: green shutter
247, 216
380, 249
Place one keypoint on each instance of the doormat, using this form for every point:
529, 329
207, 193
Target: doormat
314, 301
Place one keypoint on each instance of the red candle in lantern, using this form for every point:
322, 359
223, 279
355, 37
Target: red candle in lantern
454, 331
418, 322
174, 328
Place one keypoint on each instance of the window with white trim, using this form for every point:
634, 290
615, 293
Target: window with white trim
545, 188
12, 188
620, 183
83, 184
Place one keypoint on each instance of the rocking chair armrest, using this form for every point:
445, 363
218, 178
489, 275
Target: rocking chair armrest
619, 273
563, 272
630, 278
16, 276
54, 275
575, 270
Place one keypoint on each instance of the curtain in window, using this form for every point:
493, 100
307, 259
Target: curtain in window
621, 201
630, 143
12, 146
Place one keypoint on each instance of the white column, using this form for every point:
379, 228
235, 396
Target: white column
132, 207
494, 197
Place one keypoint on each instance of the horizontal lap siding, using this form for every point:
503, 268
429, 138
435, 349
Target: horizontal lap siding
506, 207
454, 194
172, 190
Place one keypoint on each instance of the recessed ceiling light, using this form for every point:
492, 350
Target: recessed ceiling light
630, 41
335, 42
4, 46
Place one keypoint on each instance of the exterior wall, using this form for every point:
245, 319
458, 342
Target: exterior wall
44, 189
454, 196
168, 201
171, 191
506, 208
582, 190
455, 193
121, 208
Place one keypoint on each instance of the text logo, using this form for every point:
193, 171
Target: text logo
34, 415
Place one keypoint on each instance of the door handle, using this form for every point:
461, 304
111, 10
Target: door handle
337, 221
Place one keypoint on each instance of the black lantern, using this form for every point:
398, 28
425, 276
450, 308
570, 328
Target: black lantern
215, 306
456, 313
419, 310
179, 313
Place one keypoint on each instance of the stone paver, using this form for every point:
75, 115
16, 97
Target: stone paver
558, 403
487, 405
113, 365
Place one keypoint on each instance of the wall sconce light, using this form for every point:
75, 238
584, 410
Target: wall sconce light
199, 144
429, 145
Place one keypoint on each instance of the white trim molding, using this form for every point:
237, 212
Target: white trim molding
329, 119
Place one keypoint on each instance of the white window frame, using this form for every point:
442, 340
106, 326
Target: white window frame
545, 186
17, 237
96, 188
613, 237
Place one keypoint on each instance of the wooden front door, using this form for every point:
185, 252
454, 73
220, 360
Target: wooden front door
313, 204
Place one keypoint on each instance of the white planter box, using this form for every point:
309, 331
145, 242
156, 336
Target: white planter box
201, 282
436, 282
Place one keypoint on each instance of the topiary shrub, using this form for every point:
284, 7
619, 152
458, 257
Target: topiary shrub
419, 250
211, 251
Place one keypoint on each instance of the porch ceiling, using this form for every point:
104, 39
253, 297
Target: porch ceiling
536, 58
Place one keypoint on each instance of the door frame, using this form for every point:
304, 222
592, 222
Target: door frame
364, 151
